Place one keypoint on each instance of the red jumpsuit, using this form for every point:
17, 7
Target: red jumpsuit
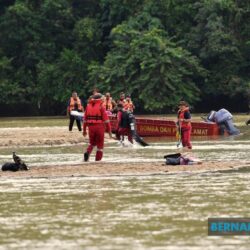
185, 127
95, 118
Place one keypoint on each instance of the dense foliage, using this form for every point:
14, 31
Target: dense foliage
157, 51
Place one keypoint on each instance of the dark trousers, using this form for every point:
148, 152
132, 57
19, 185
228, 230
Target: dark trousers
71, 122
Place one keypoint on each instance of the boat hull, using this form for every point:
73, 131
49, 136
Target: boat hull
156, 127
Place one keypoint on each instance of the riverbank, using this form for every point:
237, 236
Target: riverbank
51, 131
35, 138
102, 169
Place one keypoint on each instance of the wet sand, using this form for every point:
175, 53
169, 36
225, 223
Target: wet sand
92, 169
37, 136
53, 136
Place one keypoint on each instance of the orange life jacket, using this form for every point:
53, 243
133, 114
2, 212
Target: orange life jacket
107, 104
73, 102
129, 106
181, 113
93, 113
121, 102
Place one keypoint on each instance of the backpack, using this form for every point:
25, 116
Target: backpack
127, 119
173, 159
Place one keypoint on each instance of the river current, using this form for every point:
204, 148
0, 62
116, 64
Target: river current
125, 213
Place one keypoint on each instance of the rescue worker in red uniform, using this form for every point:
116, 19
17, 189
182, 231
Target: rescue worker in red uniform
129, 104
95, 118
184, 124
123, 124
108, 103
74, 104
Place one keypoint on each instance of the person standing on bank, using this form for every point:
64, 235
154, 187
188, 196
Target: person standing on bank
95, 118
76, 105
184, 124
122, 99
108, 103
129, 104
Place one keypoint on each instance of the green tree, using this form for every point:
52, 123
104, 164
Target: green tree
87, 35
216, 42
8, 88
57, 80
50, 47
38, 33
144, 62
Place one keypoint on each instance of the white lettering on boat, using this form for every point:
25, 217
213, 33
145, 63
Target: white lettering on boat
200, 131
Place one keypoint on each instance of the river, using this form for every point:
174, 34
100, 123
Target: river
157, 212
125, 213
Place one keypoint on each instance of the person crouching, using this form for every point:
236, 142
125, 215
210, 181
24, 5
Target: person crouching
95, 118
123, 125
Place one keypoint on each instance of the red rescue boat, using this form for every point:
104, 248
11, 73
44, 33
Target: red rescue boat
146, 127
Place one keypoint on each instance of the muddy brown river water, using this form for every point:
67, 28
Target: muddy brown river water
156, 210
